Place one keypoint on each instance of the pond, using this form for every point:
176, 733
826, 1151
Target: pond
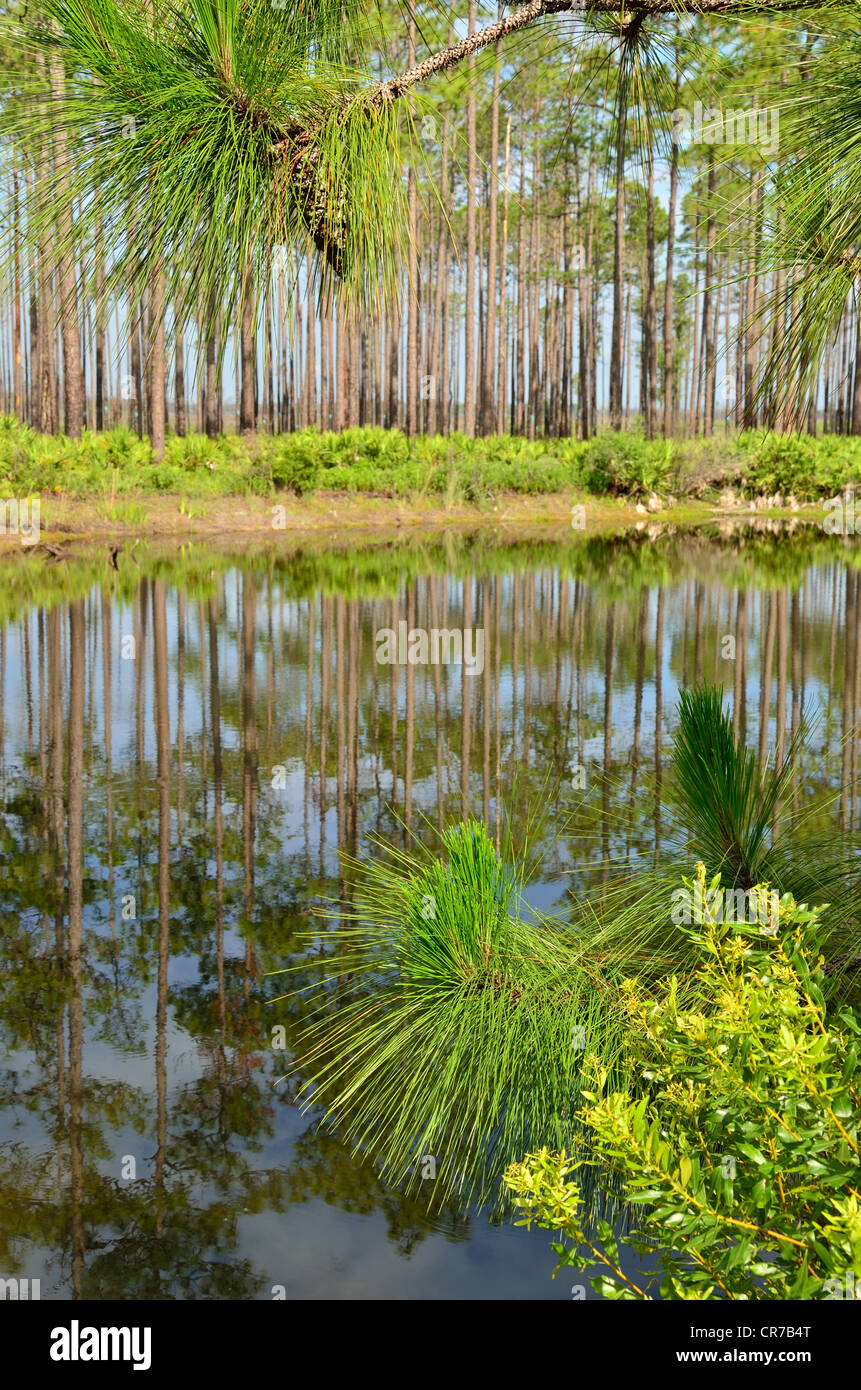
189, 742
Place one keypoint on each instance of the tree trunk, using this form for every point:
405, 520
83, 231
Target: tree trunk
469, 298
650, 319
709, 316
518, 402
490, 335
248, 345
618, 261
73, 393
412, 420
179, 376
157, 366
503, 309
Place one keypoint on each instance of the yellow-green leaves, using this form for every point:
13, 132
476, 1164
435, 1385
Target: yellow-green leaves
741, 1161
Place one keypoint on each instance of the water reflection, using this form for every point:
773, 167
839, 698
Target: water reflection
186, 747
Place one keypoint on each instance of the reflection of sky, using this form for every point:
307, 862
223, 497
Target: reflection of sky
316, 1249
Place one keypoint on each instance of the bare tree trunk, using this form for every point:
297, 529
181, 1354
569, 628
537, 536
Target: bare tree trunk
519, 406
412, 420
503, 323
709, 316
248, 346
73, 393
179, 376
17, 376
669, 326
394, 336
650, 318
618, 260
856, 390
535, 285
156, 364
469, 299
310, 348
210, 405
136, 395
490, 336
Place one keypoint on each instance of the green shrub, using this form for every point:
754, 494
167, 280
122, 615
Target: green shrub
293, 464
783, 463
384, 462
741, 1148
628, 463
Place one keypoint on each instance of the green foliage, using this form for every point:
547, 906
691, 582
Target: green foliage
388, 463
446, 1017
728, 798
735, 811
738, 1140
456, 912
783, 463
813, 228
628, 463
205, 137
293, 464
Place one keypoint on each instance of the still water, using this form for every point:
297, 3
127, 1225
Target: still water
188, 743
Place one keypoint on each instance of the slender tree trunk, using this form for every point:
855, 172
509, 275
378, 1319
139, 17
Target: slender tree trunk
412, 420
490, 336
618, 260
73, 393
856, 390
17, 361
248, 352
669, 325
503, 322
156, 364
650, 352
519, 398
709, 316
179, 375
469, 299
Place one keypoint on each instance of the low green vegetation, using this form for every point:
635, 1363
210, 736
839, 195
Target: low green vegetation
737, 1140
387, 463
451, 1021
739, 813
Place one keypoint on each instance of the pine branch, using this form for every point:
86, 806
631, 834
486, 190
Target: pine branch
631, 19
537, 9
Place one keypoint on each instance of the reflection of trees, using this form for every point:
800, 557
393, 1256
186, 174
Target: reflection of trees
323, 1167
174, 806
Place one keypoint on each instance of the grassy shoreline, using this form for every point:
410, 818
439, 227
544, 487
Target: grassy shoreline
65, 519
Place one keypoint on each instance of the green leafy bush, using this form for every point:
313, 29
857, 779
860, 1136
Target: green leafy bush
450, 468
783, 463
741, 1148
628, 463
293, 464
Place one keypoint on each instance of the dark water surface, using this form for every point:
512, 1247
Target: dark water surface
186, 745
